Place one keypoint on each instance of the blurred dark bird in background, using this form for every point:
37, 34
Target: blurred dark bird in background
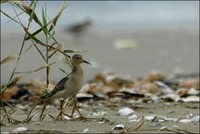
79, 29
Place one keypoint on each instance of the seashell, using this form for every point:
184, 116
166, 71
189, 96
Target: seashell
84, 96
84, 88
149, 118
19, 129
193, 91
195, 119
185, 91
109, 88
192, 83
131, 93
9, 92
66, 117
190, 99
85, 130
189, 115
102, 122
182, 91
119, 126
116, 94
98, 113
109, 78
154, 76
166, 88
185, 121
6, 95
171, 98
171, 119
122, 82
125, 111
19, 106
22, 94
133, 117
5, 132
105, 89
149, 88
100, 78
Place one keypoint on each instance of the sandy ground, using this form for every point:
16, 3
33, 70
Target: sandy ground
109, 111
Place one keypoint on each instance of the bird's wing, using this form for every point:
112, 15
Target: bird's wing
59, 87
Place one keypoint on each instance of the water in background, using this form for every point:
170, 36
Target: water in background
119, 14
167, 51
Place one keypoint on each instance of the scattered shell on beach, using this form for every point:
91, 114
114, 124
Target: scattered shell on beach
125, 111
195, 119
133, 117
118, 126
185, 121
192, 83
98, 113
85, 130
153, 87
190, 99
170, 98
149, 118
19, 129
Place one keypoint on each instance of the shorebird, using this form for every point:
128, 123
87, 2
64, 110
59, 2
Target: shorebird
69, 86
80, 28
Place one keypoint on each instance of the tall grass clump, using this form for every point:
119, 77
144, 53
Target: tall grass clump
46, 29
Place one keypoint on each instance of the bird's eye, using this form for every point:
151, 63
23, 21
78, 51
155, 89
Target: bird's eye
77, 58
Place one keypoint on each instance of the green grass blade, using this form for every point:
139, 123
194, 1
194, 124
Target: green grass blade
9, 58
34, 38
33, 7
64, 5
10, 17
44, 16
28, 10
53, 22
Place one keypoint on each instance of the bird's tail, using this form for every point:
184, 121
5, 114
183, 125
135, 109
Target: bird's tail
45, 96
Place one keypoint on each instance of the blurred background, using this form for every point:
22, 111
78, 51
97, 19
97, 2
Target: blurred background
129, 38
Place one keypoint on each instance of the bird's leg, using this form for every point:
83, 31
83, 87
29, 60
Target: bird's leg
83, 117
62, 108
75, 108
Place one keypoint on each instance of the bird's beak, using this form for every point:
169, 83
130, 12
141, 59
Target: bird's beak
87, 62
